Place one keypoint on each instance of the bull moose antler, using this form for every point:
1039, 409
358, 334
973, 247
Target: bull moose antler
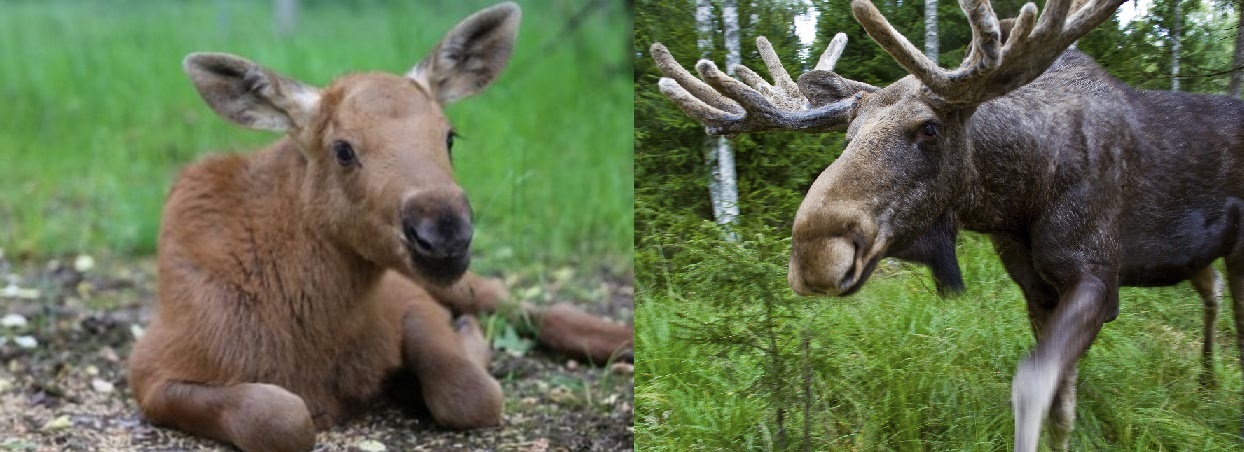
991, 68
821, 101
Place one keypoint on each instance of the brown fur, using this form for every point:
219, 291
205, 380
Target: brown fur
295, 286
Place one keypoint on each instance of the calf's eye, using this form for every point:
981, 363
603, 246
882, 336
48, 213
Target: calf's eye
345, 153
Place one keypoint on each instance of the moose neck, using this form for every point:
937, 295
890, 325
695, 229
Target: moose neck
1020, 148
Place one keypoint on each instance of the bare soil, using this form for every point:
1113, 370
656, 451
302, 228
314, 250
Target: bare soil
68, 390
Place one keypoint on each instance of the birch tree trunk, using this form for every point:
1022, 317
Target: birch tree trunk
1237, 75
285, 16
704, 42
725, 151
930, 30
1177, 34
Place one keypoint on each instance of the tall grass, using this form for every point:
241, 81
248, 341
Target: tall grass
897, 368
98, 116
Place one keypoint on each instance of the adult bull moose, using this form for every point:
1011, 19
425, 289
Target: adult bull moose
1082, 183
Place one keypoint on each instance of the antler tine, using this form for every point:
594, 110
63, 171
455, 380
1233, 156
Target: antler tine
897, 45
693, 87
1090, 16
985, 50
782, 83
832, 53
693, 106
1054, 16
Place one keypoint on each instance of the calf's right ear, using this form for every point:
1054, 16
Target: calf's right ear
249, 94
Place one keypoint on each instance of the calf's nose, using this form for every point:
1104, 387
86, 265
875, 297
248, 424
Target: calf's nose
439, 236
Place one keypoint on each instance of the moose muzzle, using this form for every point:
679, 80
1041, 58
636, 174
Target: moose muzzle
437, 230
833, 250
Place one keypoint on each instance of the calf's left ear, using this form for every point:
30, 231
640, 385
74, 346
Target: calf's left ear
471, 55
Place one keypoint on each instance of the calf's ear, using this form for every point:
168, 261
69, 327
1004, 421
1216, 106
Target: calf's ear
249, 94
471, 55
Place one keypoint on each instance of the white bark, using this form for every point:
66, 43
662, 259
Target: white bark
725, 151
704, 42
704, 27
1177, 35
285, 16
930, 29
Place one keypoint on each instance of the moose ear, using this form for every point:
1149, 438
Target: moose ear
471, 55
249, 94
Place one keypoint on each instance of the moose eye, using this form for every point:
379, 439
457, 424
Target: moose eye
928, 132
449, 143
345, 153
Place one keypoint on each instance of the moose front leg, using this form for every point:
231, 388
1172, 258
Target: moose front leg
1065, 335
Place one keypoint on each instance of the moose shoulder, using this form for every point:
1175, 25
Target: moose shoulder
300, 283
1083, 183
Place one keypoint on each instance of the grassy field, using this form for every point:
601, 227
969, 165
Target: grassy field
897, 368
98, 117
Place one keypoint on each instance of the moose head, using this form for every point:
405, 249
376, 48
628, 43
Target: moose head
379, 180
908, 158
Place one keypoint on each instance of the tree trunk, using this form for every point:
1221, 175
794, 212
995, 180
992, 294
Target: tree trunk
704, 42
1177, 34
285, 16
930, 30
725, 151
1237, 75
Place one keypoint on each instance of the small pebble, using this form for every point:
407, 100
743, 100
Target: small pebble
5, 384
561, 394
528, 401
13, 321
12, 291
59, 423
136, 331
83, 263
92, 370
102, 386
26, 342
109, 354
572, 365
371, 445
623, 368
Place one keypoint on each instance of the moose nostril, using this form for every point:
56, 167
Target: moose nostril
441, 236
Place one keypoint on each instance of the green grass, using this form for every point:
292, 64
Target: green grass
900, 369
98, 117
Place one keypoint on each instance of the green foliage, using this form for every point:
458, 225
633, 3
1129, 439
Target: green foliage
897, 368
99, 117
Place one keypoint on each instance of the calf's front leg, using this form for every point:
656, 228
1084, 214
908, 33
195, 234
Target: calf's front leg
1066, 334
450, 360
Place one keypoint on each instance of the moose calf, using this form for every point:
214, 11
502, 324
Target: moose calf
297, 283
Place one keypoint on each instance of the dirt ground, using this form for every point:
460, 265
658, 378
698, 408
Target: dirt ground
66, 328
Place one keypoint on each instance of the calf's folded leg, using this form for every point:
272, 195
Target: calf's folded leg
255, 417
